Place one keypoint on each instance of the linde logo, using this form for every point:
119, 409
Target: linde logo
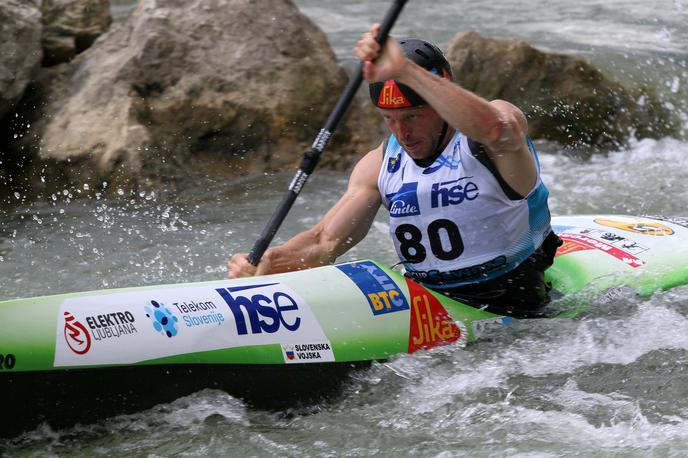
404, 202
453, 192
75, 334
264, 313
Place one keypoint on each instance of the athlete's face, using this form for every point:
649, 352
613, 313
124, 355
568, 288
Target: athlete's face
416, 128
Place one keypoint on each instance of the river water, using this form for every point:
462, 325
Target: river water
613, 382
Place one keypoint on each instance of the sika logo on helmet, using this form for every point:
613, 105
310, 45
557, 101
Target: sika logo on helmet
392, 97
391, 94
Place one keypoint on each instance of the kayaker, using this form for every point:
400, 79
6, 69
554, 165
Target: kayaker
460, 179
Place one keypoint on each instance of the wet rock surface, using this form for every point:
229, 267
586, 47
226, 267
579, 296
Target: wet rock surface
20, 54
71, 26
189, 87
564, 98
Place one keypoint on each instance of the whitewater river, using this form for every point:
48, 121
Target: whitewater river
613, 382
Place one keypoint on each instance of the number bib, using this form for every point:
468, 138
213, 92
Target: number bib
451, 223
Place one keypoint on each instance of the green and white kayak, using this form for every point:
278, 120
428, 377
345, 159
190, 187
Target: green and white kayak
277, 338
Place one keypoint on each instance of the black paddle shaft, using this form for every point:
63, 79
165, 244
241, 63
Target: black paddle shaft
312, 156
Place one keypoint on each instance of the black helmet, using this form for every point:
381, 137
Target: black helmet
390, 94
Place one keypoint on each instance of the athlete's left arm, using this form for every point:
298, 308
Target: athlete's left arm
498, 125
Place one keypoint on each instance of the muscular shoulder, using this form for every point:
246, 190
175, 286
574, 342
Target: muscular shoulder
366, 171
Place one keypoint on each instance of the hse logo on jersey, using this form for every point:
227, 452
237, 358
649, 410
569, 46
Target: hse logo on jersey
382, 293
404, 202
453, 192
266, 310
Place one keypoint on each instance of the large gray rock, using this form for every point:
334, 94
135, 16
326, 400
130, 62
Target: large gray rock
71, 26
20, 52
564, 98
190, 86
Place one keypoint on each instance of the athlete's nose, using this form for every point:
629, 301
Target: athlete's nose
404, 131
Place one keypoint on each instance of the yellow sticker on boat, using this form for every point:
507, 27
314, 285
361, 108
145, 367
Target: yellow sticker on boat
637, 225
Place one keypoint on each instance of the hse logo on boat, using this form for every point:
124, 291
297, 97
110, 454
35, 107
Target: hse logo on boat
453, 192
315, 352
77, 337
431, 325
404, 202
383, 295
637, 225
261, 308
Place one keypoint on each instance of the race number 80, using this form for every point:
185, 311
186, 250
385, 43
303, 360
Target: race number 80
7, 361
411, 246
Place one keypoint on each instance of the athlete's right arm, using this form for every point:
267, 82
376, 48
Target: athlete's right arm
344, 225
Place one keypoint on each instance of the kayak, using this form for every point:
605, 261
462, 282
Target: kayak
278, 339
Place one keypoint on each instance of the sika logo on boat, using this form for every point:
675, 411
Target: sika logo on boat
431, 325
76, 335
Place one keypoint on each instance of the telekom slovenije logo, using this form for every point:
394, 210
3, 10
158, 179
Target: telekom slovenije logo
77, 337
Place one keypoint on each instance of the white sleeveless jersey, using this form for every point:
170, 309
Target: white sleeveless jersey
452, 223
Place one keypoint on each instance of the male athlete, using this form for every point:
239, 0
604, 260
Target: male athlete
460, 179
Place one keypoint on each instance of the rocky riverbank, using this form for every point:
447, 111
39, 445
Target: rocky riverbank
186, 88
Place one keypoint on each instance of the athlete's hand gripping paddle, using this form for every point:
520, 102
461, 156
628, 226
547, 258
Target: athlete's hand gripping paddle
311, 157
